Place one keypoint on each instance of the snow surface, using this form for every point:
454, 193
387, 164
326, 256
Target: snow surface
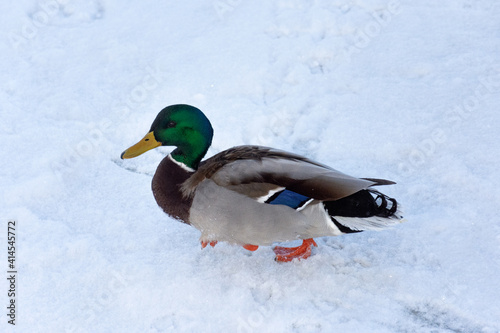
403, 90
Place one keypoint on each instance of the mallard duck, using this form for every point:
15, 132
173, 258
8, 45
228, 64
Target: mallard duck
255, 196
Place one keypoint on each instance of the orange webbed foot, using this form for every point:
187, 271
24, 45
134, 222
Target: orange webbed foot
205, 243
250, 247
286, 254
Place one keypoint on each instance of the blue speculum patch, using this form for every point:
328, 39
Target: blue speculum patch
288, 198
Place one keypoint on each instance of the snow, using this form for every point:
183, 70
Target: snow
403, 90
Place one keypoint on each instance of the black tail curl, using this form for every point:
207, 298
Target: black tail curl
365, 203
362, 204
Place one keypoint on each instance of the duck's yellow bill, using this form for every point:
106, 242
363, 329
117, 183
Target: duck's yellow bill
147, 143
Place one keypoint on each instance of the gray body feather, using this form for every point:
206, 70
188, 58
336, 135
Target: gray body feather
226, 188
224, 215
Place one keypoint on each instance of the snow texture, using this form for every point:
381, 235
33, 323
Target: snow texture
403, 90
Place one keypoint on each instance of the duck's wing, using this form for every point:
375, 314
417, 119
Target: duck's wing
259, 171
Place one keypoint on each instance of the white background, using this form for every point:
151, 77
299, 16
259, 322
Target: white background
403, 90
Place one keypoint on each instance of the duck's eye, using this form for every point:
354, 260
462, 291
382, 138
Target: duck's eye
171, 124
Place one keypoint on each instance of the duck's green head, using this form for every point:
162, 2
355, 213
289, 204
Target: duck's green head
182, 126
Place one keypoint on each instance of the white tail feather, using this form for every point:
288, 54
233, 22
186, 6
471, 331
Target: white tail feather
370, 223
